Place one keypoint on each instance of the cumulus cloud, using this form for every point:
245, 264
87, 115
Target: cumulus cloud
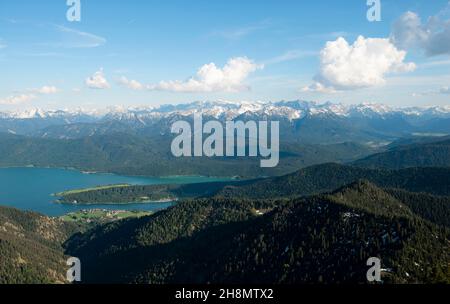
17, 99
210, 78
408, 31
131, 84
433, 36
363, 64
46, 90
97, 81
29, 95
317, 87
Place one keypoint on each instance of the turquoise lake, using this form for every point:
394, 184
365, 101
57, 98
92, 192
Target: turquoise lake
32, 188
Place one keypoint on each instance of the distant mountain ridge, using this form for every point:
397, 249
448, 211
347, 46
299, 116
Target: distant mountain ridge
430, 154
231, 110
300, 120
137, 141
131, 154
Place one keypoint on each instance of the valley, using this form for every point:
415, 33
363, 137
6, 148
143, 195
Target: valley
366, 189
329, 215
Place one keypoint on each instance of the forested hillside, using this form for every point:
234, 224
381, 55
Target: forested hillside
433, 154
327, 177
31, 247
131, 154
307, 181
324, 238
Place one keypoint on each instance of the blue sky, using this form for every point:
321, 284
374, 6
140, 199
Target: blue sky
150, 52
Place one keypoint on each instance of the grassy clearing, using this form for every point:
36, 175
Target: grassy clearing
78, 191
100, 215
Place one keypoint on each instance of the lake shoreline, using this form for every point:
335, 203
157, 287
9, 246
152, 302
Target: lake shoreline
41, 183
93, 172
163, 201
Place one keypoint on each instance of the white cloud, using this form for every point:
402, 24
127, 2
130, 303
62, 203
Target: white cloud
31, 94
17, 99
2, 44
97, 81
445, 90
317, 87
131, 84
46, 90
361, 65
433, 36
210, 78
407, 31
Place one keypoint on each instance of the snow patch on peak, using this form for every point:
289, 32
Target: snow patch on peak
28, 114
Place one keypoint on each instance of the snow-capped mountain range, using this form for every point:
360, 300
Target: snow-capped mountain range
308, 122
291, 110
